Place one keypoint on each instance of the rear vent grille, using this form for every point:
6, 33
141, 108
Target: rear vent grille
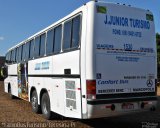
70, 84
70, 103
70, 94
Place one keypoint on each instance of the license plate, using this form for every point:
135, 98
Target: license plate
127, 106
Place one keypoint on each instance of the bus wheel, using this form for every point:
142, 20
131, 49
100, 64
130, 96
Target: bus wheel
34, 102
45, 106
10, 93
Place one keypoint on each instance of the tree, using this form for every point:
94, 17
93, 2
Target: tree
157, 37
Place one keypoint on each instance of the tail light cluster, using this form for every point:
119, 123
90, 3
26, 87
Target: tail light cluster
91, 89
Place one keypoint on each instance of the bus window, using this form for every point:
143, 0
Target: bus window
42, 46
13, 56
37, 46
27, 51
23, 52
67, 35
7, 58
19, 53
57, 39
31, 55
76, 31
71, 35
49, 43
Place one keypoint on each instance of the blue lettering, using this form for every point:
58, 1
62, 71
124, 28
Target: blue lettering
126, 22
104, 46
37, 66
41, 66
45, 65
112, 82
115, 20
135, 23
100, 82
123, 82
127, 59
116, 31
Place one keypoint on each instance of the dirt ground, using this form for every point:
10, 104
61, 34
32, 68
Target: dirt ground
17, 113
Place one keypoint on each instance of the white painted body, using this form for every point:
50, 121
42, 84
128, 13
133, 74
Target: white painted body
90, 59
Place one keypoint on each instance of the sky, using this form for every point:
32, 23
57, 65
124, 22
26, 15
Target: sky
19, 19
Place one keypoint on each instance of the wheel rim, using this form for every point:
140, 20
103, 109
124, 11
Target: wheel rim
45, 105
45, 110
34, 101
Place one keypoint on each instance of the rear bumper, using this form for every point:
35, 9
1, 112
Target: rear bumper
120, 100
99, 108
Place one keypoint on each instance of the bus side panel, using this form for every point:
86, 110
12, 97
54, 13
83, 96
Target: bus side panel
38, 75
12, 80
12, 69
66, 89
30, 85
57, 95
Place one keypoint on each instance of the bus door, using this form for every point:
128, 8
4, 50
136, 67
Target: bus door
22, 70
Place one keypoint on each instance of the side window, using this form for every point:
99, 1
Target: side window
71, 35
42, 46
27, 51
11, 59
37, 47
23, 52
13, 56
57, 39
31, 55
49, 44
7, 57
76, 31
19, 53
67, 35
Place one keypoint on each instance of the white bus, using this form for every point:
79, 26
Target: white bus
98, 61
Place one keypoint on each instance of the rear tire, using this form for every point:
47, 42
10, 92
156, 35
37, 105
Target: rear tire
10, 93
45, 106
34, 102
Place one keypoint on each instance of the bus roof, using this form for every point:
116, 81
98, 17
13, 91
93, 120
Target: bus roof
66, 17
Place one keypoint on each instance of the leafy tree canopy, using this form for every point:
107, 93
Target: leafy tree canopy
157, 37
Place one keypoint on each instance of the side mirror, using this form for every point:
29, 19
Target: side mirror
4, 72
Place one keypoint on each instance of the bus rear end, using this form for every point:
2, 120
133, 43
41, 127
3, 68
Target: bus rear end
121, 67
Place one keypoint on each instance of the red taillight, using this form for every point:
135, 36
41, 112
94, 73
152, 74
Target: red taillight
91, 89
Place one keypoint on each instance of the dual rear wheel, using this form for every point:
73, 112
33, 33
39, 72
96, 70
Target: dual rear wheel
45, 104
